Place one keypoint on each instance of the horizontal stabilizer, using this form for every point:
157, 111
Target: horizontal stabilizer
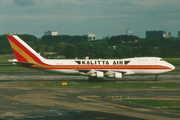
24, 64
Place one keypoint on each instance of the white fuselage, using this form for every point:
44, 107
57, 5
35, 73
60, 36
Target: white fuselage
130, 66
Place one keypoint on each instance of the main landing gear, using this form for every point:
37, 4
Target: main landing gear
156, 78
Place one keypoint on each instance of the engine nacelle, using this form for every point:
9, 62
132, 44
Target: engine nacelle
118, 75
99, 74
93, 75
110, 76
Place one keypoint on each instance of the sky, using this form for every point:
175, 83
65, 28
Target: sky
100, 17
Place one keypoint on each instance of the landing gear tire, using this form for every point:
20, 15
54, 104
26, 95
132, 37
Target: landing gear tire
156, 78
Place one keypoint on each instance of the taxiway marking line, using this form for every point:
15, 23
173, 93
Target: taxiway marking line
140, 109
41, 101
58, 103
122, 106
63, 77
9, 77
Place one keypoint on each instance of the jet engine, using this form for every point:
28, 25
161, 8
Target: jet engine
118, 75
99, 74
114, 75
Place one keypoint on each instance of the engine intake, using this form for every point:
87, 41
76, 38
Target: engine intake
118, 75
99, 74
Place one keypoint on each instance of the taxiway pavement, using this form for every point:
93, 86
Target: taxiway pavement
68, 103
37, 75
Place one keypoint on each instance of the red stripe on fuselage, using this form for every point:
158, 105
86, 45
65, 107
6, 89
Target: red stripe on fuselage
135, 67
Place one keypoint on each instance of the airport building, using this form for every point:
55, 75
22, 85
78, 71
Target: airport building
90, 37
161, 34
167, 35
52, 33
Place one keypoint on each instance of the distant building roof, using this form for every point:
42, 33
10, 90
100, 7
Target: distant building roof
161, 34
52, 33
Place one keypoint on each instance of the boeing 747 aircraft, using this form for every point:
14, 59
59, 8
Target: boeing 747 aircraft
94, 68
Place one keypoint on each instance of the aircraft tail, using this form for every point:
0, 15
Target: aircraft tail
23, 52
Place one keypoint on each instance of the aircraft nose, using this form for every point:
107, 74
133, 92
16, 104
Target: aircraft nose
172, 67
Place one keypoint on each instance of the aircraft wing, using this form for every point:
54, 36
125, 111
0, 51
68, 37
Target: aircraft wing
106, 73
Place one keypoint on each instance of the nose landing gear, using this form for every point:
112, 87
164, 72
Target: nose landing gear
156, 78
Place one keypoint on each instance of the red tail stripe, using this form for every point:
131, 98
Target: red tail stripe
19, 57
22, 47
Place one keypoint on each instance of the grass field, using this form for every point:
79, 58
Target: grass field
11, 68
172, 59
112, 85
3, 60
177, 69
14, 68
165, 104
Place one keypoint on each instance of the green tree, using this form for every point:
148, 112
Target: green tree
70, 51
123, 51
136, 51
41, 48
144, 51
166, 51
59, 48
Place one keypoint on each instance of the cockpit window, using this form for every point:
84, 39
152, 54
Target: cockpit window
161, 60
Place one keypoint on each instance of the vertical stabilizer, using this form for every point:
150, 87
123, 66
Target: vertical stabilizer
22, 51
